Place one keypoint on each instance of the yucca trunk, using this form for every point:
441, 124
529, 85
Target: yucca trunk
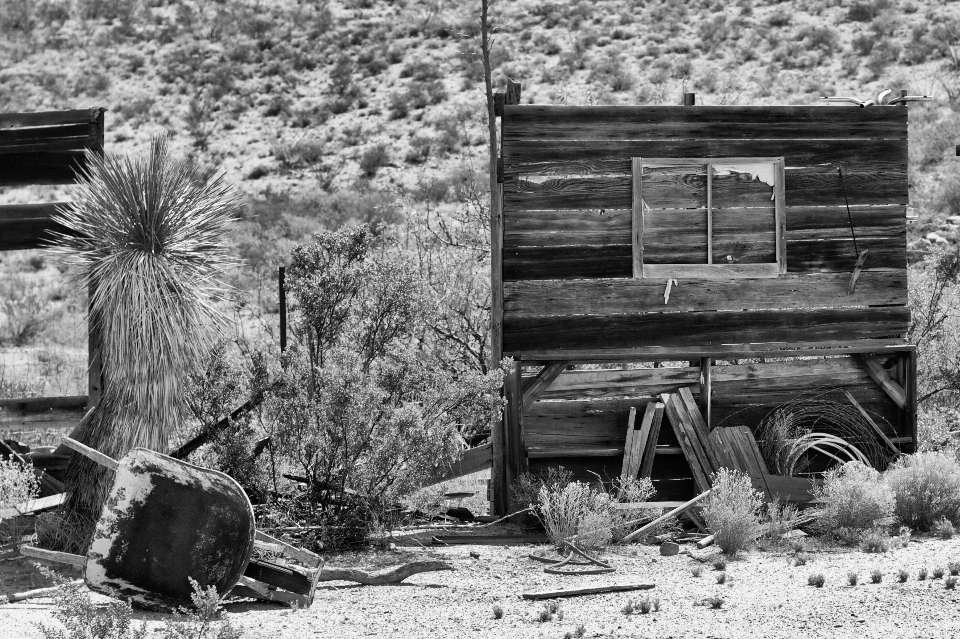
148, 239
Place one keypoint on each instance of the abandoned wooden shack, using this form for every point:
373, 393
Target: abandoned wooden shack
751, 254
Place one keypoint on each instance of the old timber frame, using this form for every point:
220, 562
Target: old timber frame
754, 254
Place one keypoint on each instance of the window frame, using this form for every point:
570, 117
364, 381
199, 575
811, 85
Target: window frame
709, 270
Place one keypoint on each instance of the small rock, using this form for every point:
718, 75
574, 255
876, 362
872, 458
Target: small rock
475, 554
669, 548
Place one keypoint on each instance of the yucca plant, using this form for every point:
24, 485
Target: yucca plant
147, 236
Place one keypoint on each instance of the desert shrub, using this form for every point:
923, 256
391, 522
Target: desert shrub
875, 541
576, 512
855, 499
526, 488
17, 484
360, 414
944, 529
629, 490
867, 10
24, 314
778, 519
373, 159
876, 576
816, 580
852, 578
81, 618
926, 488
731, 511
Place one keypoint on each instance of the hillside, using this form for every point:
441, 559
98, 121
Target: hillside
304, 99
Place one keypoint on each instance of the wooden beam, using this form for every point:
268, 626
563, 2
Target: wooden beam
637, 215
662, 518
540, 452
471, 461
706, 390
107, 462
872, 423
879, 374
56, 557
550, 372
514, 455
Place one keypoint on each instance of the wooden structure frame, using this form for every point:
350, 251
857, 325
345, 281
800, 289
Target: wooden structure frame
46, 148
570, 284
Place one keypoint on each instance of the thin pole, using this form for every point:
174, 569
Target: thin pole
283, 311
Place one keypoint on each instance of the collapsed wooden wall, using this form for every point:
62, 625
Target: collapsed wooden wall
569, 296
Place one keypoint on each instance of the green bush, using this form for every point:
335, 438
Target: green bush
926, 488
373, 159
855, 499
731, 511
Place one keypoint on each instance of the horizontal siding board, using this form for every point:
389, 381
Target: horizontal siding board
824, 222
609, 297
601, 157
568, 227
802, 189
567, 262
541, 122
41, 168
805, 256
530, 335
48, 118
28, 233
644, 382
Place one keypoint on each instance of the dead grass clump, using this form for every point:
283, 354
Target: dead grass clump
902, 576
944, 529
852, 578
855, 500
730, 511
816, 579
576, 511
926, 489
875, 541
876, 576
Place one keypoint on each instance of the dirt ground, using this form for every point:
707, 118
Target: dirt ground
764, 596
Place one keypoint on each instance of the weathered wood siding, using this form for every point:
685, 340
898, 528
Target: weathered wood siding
42, 148
567, 253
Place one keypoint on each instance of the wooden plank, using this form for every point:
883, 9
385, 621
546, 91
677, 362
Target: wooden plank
28, 405
25, 169
637, 212
53, 556
90, 453
611, 158
287, 577
567, 262
686, 423
595, 384
551, 122
49, 118
583, 591
73, 132
513, 450
490, 540
629, 453
735, 351
673, 513
532, 336
472, 460
500, 487
837, 255
307, 558
650, 448
699, 428
643, 439
544, 298
879, 374
593, 227
710, 271
883, 437
34, 506
541, 452
578, 423
706, 390
672, 408
542, 381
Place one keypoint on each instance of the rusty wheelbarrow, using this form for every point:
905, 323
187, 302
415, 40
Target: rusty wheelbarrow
166, 521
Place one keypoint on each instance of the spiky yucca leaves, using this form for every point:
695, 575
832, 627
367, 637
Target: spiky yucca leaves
148, 239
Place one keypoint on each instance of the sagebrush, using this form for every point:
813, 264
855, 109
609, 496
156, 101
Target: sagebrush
926, 489
731, 511
854, 499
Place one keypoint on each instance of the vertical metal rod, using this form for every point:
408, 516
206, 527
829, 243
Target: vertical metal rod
283, 311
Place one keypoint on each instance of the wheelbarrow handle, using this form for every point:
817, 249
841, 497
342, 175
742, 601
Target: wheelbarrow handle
90, 453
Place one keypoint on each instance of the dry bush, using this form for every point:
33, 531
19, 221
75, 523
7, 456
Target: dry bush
855, 499
731, 511
926, 488
576, 510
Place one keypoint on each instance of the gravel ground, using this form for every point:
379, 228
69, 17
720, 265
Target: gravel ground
764, 596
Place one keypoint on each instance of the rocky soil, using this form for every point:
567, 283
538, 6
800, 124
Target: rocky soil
765, 595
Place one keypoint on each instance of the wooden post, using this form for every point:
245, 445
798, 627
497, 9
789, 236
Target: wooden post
283, 309
910, 386
903, 94
513, 92
94, 360
689, 99
706, 390
514, 453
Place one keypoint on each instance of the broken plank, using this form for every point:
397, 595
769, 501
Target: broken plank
579, 592
686, 423
699, 426
35, 506
643, 439
651, 449
673, 513
872, 423
54, 556
307, 558
670, 406
879, 374
490, 540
